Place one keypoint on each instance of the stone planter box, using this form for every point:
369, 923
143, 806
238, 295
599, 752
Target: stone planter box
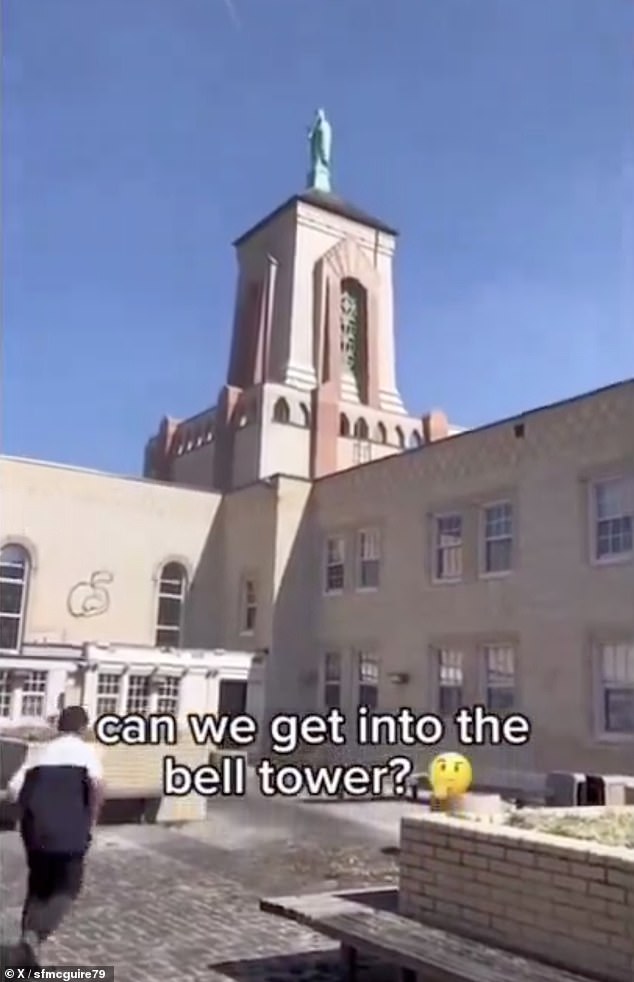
566, 901
129, 772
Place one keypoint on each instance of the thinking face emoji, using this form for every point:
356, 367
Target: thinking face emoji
449, 775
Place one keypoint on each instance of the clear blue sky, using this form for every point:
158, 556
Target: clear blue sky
142, 136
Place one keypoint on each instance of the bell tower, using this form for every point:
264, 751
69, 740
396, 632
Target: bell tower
311, 384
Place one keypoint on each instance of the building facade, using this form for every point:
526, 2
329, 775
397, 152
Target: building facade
311, 539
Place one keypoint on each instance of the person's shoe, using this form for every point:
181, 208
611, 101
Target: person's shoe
29, 950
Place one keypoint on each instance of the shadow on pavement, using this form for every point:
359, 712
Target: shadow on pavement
310, 966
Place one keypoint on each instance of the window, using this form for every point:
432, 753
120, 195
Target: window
353, 332
450, 680
361, 429
498, 537
617, 678
448, 549
305, 414
368, 680
400, 437
168, 695
34, 695
332, 680
415, 439
369, 552
361, 452
613, 519
500, 677
335, 564
108, 689
171, 602
14, 580
6, 692
138, 700
281, 412
249, 606
381, 433
344, 425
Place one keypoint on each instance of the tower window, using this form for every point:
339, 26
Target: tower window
281, 411
305, 411
381, 433
361, 429
344, 425
400, 437
353, 332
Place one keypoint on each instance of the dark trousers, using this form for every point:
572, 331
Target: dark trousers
55, 881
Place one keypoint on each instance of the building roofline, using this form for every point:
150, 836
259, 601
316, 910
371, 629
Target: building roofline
327, 202
56, 465
520, 417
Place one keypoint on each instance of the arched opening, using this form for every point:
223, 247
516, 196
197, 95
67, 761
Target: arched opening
344, 425
381, 433
171, 605
415, 439
281, 411
361, 431
400, 437
354, 332
305, 414
15, 570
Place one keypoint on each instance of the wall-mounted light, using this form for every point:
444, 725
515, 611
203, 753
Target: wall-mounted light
398, 678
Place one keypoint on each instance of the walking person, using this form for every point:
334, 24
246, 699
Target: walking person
59, 794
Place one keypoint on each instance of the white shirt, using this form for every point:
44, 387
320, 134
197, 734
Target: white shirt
67, 750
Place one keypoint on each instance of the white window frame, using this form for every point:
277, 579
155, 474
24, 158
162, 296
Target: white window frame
104, 699
332, 680
627, 480
248, 605
369, 551
163, 594
437, 548
128, 696
621, 651
20, 692
485, 539
449, 661
362, 659
499, 652
121, 698
330, 563
167, 696
24, 581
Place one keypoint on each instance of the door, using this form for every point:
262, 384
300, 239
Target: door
232, 701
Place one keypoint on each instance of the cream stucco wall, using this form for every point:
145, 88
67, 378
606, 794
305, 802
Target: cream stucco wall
77, 522
552, 606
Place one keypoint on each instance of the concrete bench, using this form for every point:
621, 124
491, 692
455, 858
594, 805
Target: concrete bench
364, 927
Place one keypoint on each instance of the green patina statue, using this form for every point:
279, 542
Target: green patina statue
320, 139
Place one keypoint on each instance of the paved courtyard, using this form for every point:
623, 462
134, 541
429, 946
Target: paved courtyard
182, 904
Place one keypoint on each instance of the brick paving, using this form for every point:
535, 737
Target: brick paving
165, 904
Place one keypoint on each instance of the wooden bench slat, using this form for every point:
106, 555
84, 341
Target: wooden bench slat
388, 936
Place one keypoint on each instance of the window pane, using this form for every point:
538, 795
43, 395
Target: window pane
332, 695
168, 637
169, 614
174, 572
619, 710
6, 691
11, 594
498, 556
370, 573
333, 666
368, 696
334, 577
9, 633
138, 694
171, 588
